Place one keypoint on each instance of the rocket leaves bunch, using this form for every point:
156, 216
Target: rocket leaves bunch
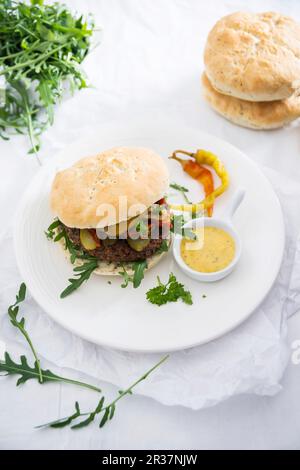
41, 49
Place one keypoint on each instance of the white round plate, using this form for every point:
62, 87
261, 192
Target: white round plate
109, 315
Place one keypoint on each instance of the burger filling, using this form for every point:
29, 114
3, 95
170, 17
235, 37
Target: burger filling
152, 226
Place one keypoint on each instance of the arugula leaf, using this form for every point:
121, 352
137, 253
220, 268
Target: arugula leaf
138, 268
82, 274
137, 276
91, 416
176, 227
85, 422
126, 277
169, 292
55, 232
50, 233
66, 421
13, 311
108, 410
27, 372
178, 187
33, 373
164, 247
182, 190
23, 369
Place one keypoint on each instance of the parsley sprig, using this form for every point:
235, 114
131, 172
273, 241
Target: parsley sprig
41, 48
169, 292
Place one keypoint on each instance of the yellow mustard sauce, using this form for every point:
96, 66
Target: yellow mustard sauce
213, 250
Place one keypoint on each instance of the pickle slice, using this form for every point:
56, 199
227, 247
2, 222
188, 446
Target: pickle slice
87, 239
138, 245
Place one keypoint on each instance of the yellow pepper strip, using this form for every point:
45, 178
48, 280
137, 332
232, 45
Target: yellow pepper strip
207, 158
195, 208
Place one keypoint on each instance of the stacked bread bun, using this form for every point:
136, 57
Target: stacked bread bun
252, 75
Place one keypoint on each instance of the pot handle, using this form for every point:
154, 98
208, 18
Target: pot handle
234, 203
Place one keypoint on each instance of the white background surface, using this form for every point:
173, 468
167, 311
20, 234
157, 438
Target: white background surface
149, 63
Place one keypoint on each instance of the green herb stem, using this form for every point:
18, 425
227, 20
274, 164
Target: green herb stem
18, 86
182, 190
144, 377
16, 54
21, 65
77, 382
26, 336
13, 311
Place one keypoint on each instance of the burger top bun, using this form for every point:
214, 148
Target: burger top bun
255, 57
82, 195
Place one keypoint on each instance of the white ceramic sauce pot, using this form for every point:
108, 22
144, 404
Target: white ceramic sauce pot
224, 222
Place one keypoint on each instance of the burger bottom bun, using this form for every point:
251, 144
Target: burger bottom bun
114, 269
254, 115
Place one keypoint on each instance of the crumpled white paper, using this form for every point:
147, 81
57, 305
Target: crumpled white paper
250, 359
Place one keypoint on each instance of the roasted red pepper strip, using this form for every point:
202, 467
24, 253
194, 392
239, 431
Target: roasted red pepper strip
200, 173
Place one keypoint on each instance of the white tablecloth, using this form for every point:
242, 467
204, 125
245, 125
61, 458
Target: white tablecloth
149, 63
